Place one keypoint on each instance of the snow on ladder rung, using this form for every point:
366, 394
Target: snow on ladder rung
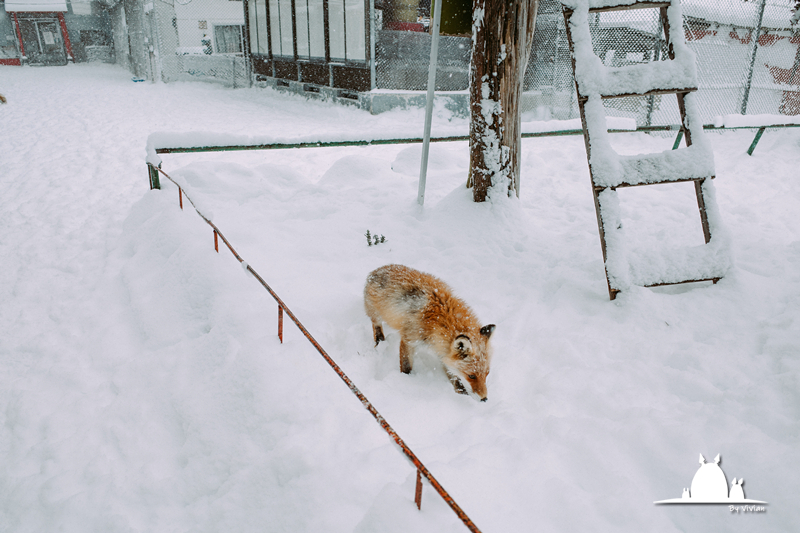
670, 166
598, 6
648, 267
593, 77
654, 92
609, 169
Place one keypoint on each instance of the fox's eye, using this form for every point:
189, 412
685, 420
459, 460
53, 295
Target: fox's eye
472, 377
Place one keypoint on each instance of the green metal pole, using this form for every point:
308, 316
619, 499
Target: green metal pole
152, 172
746, 96
755, 141
678, 140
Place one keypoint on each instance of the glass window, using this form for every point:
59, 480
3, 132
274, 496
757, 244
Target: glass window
336, 27
254, 23
280, 14
228, 39
356, 33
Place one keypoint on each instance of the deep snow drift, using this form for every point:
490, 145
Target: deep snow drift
143, 388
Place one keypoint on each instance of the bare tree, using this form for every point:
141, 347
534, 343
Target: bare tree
502, 33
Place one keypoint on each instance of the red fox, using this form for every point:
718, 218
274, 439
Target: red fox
423, 309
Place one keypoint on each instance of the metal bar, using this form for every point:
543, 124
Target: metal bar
423, 166
651, 100
418, 491
294, 38
279, 146
377, 142
746, 95
216, 241
327, 34
152, 173
371, 46
246, 45
755, 141
180, 197
280, 323
677, 142
352, 386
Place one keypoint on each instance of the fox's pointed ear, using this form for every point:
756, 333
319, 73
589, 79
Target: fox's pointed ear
487, 331
462, 346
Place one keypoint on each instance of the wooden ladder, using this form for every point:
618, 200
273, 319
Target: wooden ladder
609, 171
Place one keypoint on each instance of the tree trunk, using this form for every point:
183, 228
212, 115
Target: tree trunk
502, 33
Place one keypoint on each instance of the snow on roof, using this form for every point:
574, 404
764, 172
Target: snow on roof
36, 5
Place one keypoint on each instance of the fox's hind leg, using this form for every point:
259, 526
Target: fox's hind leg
377, 333
406, 358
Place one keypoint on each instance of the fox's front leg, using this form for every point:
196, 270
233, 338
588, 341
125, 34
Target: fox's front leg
377, 333
406, 357
457, 385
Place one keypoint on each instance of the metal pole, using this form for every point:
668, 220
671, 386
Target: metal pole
423, 167
746, 96
373, 34
651, 101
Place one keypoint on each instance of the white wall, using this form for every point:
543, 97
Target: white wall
214, 12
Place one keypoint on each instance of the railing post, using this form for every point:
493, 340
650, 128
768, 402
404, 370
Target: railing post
216, 241
418, 491
753, 52
180, 196
755, 141
677, 142
280, 323
152, 172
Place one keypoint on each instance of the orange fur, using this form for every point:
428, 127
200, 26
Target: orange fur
423, 309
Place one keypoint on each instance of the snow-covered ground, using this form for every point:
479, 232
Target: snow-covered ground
143, 387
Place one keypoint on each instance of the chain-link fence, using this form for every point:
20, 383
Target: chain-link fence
747, 59
182, 40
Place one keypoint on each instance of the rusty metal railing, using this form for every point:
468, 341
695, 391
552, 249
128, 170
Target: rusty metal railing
282, 308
